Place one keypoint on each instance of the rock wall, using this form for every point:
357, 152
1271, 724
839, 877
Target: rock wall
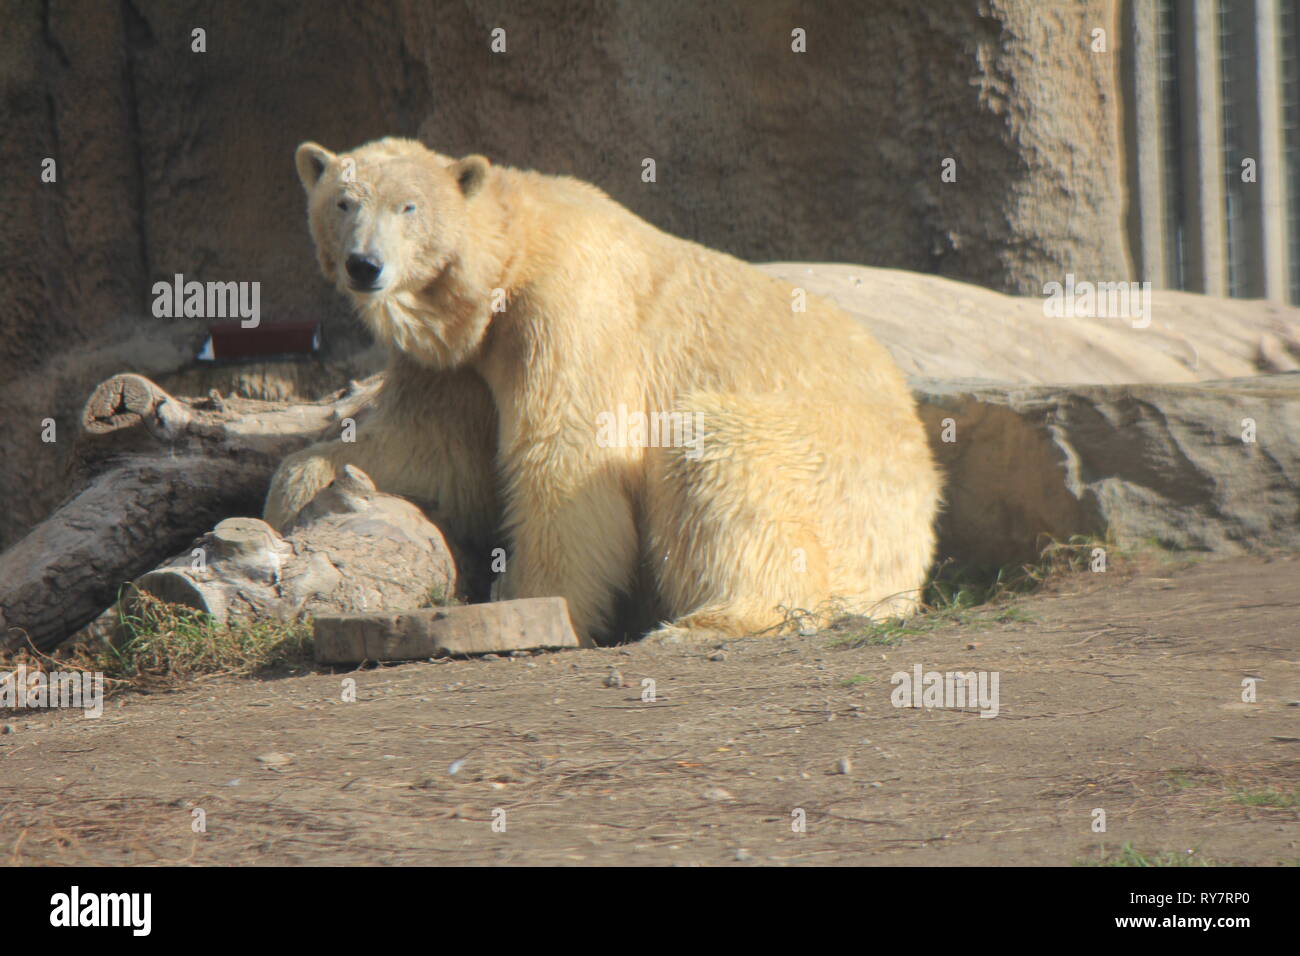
171, 160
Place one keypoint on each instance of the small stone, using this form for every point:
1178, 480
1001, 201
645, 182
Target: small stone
717, 793
8, 729
844, 766
718, 656
490, 657
742, 855
614, 678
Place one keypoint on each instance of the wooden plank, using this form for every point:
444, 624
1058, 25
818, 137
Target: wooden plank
503, 626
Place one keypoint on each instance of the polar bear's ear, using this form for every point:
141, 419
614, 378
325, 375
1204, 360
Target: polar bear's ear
312, 160
471, 173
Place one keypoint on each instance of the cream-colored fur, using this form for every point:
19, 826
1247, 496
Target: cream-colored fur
813, 486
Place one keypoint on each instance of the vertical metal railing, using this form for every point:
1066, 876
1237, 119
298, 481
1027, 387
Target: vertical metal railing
1175, 238
1236, 194
1213, 93
1289, 66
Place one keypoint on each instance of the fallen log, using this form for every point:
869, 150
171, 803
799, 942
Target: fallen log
352, 549
156, 471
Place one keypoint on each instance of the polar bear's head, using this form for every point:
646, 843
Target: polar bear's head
389, 219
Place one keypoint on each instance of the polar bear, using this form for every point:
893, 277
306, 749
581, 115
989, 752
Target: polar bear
612, 405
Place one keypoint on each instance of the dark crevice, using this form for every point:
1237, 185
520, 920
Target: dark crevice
48, 36
138, 36
54, 215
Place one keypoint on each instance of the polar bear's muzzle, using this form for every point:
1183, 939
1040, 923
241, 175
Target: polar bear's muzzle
365, 273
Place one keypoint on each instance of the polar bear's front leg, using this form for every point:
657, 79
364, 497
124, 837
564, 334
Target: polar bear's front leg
296, 482
578, 544
431, 437
304, 473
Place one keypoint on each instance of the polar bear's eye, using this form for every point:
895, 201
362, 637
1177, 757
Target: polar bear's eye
343, 204
409, 207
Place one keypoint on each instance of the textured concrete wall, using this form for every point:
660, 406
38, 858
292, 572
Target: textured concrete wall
174, 161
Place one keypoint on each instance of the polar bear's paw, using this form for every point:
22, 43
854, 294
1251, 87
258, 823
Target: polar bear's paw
673, 635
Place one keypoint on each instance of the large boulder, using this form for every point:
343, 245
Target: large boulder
938, 328
1213, 466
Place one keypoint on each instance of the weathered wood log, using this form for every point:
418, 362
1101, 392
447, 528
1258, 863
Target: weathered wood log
526, 624
351, 549
156, 471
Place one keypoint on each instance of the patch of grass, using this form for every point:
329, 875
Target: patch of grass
1169, 555
164, 646
1014, 615
953, 588
438, 596
1267, 786
956, 595
861, 632
873, 634
954, 585
1128, 855
857, 679
1276, 799
1184, 779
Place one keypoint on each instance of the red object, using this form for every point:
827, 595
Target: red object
230, 340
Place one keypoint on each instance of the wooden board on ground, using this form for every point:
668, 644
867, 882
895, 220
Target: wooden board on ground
503, 626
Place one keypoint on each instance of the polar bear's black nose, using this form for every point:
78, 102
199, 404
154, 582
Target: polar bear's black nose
363, 270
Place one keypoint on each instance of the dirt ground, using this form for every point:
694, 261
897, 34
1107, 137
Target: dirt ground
1119, 691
